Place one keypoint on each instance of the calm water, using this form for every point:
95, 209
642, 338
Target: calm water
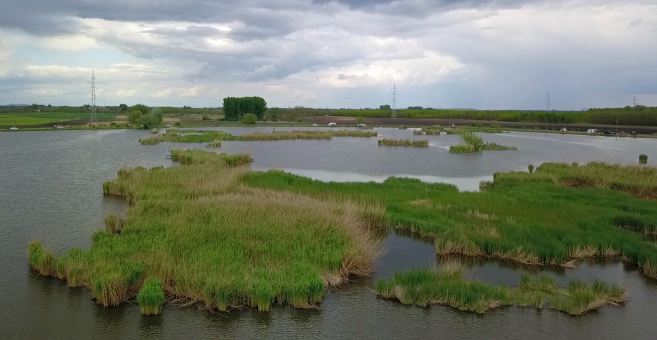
50, 189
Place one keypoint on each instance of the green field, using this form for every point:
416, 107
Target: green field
39, 118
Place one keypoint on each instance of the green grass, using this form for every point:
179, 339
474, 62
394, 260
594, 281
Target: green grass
151, 297
38, 118
424, 287
190, 136
472, 143
527, 218
404, 142
211, 240
639, 181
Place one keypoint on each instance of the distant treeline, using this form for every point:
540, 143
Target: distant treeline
638, 115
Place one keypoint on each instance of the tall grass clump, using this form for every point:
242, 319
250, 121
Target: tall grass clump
643, 159
155, 131
404, 142
112, 224
40, 259
198, 232
215, 144
424, 287
151, 297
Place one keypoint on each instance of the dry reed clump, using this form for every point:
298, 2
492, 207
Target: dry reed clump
112, 224
215, 144
448, 287
209, 239
404, 142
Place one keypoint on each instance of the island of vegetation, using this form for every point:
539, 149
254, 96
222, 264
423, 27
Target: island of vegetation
404, 142
192, 136
473, 143
448, 287
215, 233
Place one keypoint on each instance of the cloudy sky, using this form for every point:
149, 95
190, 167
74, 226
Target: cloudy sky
485, 54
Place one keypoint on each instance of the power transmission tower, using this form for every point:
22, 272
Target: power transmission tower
548, 110
93, 98
394, 101
635, 100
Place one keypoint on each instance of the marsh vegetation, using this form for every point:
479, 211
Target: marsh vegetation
472, 143
449, 287
404, 142
191, 136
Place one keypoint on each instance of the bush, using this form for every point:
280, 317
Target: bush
177, 124
249, 119
530, 168
643, 159
205, 117
154, 131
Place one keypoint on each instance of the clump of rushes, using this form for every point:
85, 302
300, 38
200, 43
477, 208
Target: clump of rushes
643, 159
432, 130
210, 239
151, 297
472, 143
215, 144
448, 287
155, 131
403, 127
210, 136
40, 259
112, 224
404, 142
418, 132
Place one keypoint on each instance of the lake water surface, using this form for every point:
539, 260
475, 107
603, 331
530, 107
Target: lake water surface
50, 189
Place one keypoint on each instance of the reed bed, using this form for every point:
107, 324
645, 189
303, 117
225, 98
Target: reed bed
472, 143
528, 219
638, 181
404, 142
424, 287
192, 136
211, 240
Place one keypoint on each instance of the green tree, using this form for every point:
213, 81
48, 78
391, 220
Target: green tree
157, 112
234, 107
123, 107
141, 108
384, 107
249, 119
134, 116
148, 120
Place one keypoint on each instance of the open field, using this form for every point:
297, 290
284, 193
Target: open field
448, 287
41, 118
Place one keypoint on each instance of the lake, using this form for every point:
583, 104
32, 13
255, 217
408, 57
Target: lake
51, 190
